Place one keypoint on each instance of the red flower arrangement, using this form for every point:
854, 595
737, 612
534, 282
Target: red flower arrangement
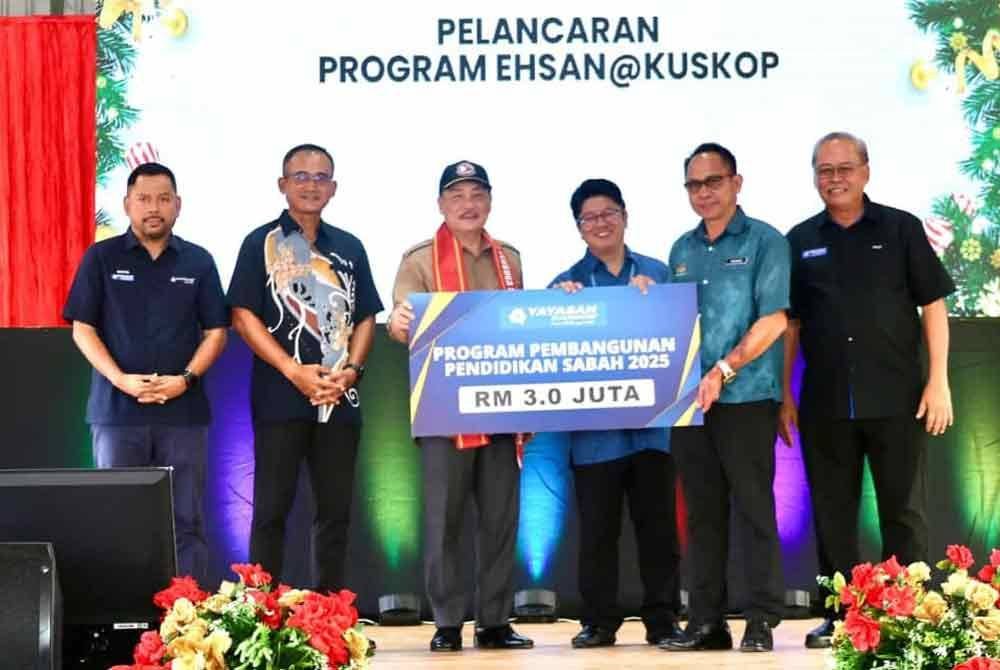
251, 624
893, 620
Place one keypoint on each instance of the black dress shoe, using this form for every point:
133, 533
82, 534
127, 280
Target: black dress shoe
447, 639
661, 635
501, 637
701, 638
821, 636
593, 636
757, 636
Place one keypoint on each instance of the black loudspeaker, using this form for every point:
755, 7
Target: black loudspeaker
113, 531
31, 624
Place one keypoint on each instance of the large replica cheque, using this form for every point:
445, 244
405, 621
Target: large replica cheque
531, 361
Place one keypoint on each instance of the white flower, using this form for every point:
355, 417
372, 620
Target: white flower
956, 583
917, 573
989, 299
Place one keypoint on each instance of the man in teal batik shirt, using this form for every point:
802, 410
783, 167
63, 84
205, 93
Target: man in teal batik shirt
741, 266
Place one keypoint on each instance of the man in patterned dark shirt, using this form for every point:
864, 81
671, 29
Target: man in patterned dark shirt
303, 299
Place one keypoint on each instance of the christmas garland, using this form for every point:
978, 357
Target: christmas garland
115, 60
964, 230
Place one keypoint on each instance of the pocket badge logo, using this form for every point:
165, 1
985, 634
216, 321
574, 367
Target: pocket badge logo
814, 253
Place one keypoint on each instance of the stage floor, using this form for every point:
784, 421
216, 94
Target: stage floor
406, 647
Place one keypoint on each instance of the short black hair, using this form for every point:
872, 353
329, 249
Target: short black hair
591, 188
151, 170
299, 148
712, 148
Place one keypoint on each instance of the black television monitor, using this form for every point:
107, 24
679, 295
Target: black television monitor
113, 534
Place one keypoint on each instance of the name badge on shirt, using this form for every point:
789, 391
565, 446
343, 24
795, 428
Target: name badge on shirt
183, 280
123, 275
814, 253
680, 269
737, 261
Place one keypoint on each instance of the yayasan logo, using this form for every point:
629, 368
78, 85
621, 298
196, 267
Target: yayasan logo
518, 316
555, 315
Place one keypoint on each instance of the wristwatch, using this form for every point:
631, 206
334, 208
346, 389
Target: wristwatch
728, 374
190, 378
359, 370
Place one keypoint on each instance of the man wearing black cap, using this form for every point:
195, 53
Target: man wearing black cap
610, 464
460, 469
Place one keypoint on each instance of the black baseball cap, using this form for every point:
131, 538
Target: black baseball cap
463, 171
591, 188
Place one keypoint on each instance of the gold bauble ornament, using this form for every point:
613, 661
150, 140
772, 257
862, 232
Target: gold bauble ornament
175, 21
921, 74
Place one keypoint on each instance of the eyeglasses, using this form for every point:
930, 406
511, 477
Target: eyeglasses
828, 172
611, 216
319, 178
712, 182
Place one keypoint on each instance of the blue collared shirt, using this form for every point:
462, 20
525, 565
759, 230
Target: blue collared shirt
741, 276
599, 446
309, 296
150, 314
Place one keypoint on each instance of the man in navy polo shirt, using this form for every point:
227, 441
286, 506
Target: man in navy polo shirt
304, 300
609, 465
741, 267
149, 314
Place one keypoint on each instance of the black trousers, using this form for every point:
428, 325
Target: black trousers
330, 452
834, 452
647, 480
454, 479
730, 461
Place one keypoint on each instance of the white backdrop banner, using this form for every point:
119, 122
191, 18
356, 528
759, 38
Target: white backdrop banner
543, 94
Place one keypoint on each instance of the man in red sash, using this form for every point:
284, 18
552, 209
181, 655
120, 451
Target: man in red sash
460, 469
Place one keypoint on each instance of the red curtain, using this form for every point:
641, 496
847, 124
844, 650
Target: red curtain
48, 144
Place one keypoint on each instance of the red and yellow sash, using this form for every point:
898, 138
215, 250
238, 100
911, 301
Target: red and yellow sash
450, 275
